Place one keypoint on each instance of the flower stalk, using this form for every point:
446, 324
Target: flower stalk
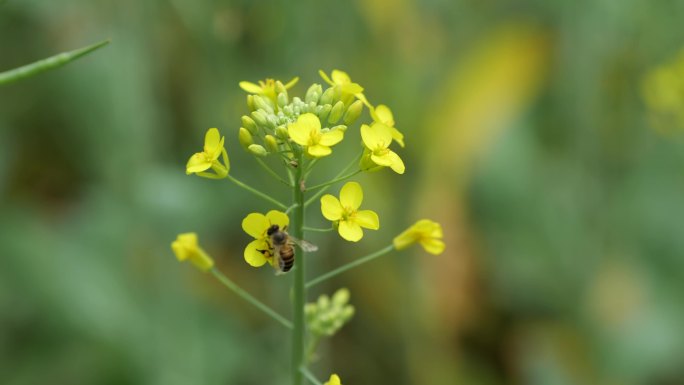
349, 266
299, 289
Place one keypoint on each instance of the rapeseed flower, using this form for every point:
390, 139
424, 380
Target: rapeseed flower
306, 131
377, 139
334, 380
344, 85
267, 88
382, 114
426, 232
346, 214
186, 247
260, 250
208, 159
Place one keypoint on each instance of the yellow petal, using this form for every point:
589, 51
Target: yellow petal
252, 254
331, 208
397, 136
279, 218
255, 225
433, 246
309, 121
334, 380
382, 160
298, 133
318, 151
331, 138
376, 136
368, 219
292, 82
201, 260
250, 87
197, 163
351, 195
340, 77
325, 77
350, 231
212, 141
352, 88
382, 114
405, 239
397, 164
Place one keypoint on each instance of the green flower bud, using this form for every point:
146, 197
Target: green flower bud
282, 99
280, 87
313, 93
259, 117
325, 110
271, 143
341, 297
328, 96
257, 149
249, 124
367, 164
245, 138
336, 112
353, 112
250, 102
281, 132
288, 110
340, 127
261, 103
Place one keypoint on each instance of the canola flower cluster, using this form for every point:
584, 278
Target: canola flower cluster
297, 132
663, 91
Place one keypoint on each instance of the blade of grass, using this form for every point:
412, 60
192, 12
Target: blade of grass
47, 64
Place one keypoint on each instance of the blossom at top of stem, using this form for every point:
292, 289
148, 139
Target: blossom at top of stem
306, 131
260, 250
346, 214
426, 232
382, 114
377, 138
267, 87
186, 247
334, 380
342, 83
209, 157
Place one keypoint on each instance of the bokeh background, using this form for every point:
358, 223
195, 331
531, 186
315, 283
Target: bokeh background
527, 136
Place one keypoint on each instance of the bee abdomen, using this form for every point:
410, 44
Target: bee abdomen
286, 260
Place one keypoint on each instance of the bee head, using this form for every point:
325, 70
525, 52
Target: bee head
272, 229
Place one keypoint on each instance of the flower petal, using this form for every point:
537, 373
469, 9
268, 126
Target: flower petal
352, 88
433, 246
350, 231
279, 218
340, 77
212, 141
310, 121
299, 133
368, 219
318, 151
250, 87
351, 195
331, 138
197, 163
376, 136
331, 208
253, 255
292, 82
325, 77
397, 164
397, 136
255, 225
382, 114
382, 160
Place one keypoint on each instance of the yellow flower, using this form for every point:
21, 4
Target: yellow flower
377, 138
334, 380
425, 232
343, 83
267, 88
382, 114
185, 247
208, 159
345, 212
306, 131
259, 251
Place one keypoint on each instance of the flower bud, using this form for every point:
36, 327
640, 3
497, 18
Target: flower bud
336, 112
340, 127
271, 143
250, 102
280, 87
281, 132
353, 112
341, 297
282, 99
313, 93
245, 138
249, 124
327, 97
257, 149
260, 118
325, 110
261, 103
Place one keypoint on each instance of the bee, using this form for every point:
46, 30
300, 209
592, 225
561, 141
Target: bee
283, 251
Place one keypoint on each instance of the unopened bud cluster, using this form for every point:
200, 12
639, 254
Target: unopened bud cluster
327, 315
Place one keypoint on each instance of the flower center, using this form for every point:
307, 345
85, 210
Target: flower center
348, 213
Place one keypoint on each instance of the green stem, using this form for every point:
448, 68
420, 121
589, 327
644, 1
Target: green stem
310, 376
328, 183
299, 290
256, 192
311, 350
47, 64
349, 266
318, 230
272, 173
344, 170
249, 298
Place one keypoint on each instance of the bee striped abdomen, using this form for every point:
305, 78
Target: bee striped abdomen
286, 259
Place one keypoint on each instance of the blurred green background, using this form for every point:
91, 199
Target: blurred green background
527, 138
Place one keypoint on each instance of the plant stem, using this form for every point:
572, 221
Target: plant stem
47, 64
318, 230
350, 265
299, 290
271, 172
328, 183
249, 298
310, 376
256, 192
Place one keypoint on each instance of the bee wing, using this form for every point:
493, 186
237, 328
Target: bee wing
307, 247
